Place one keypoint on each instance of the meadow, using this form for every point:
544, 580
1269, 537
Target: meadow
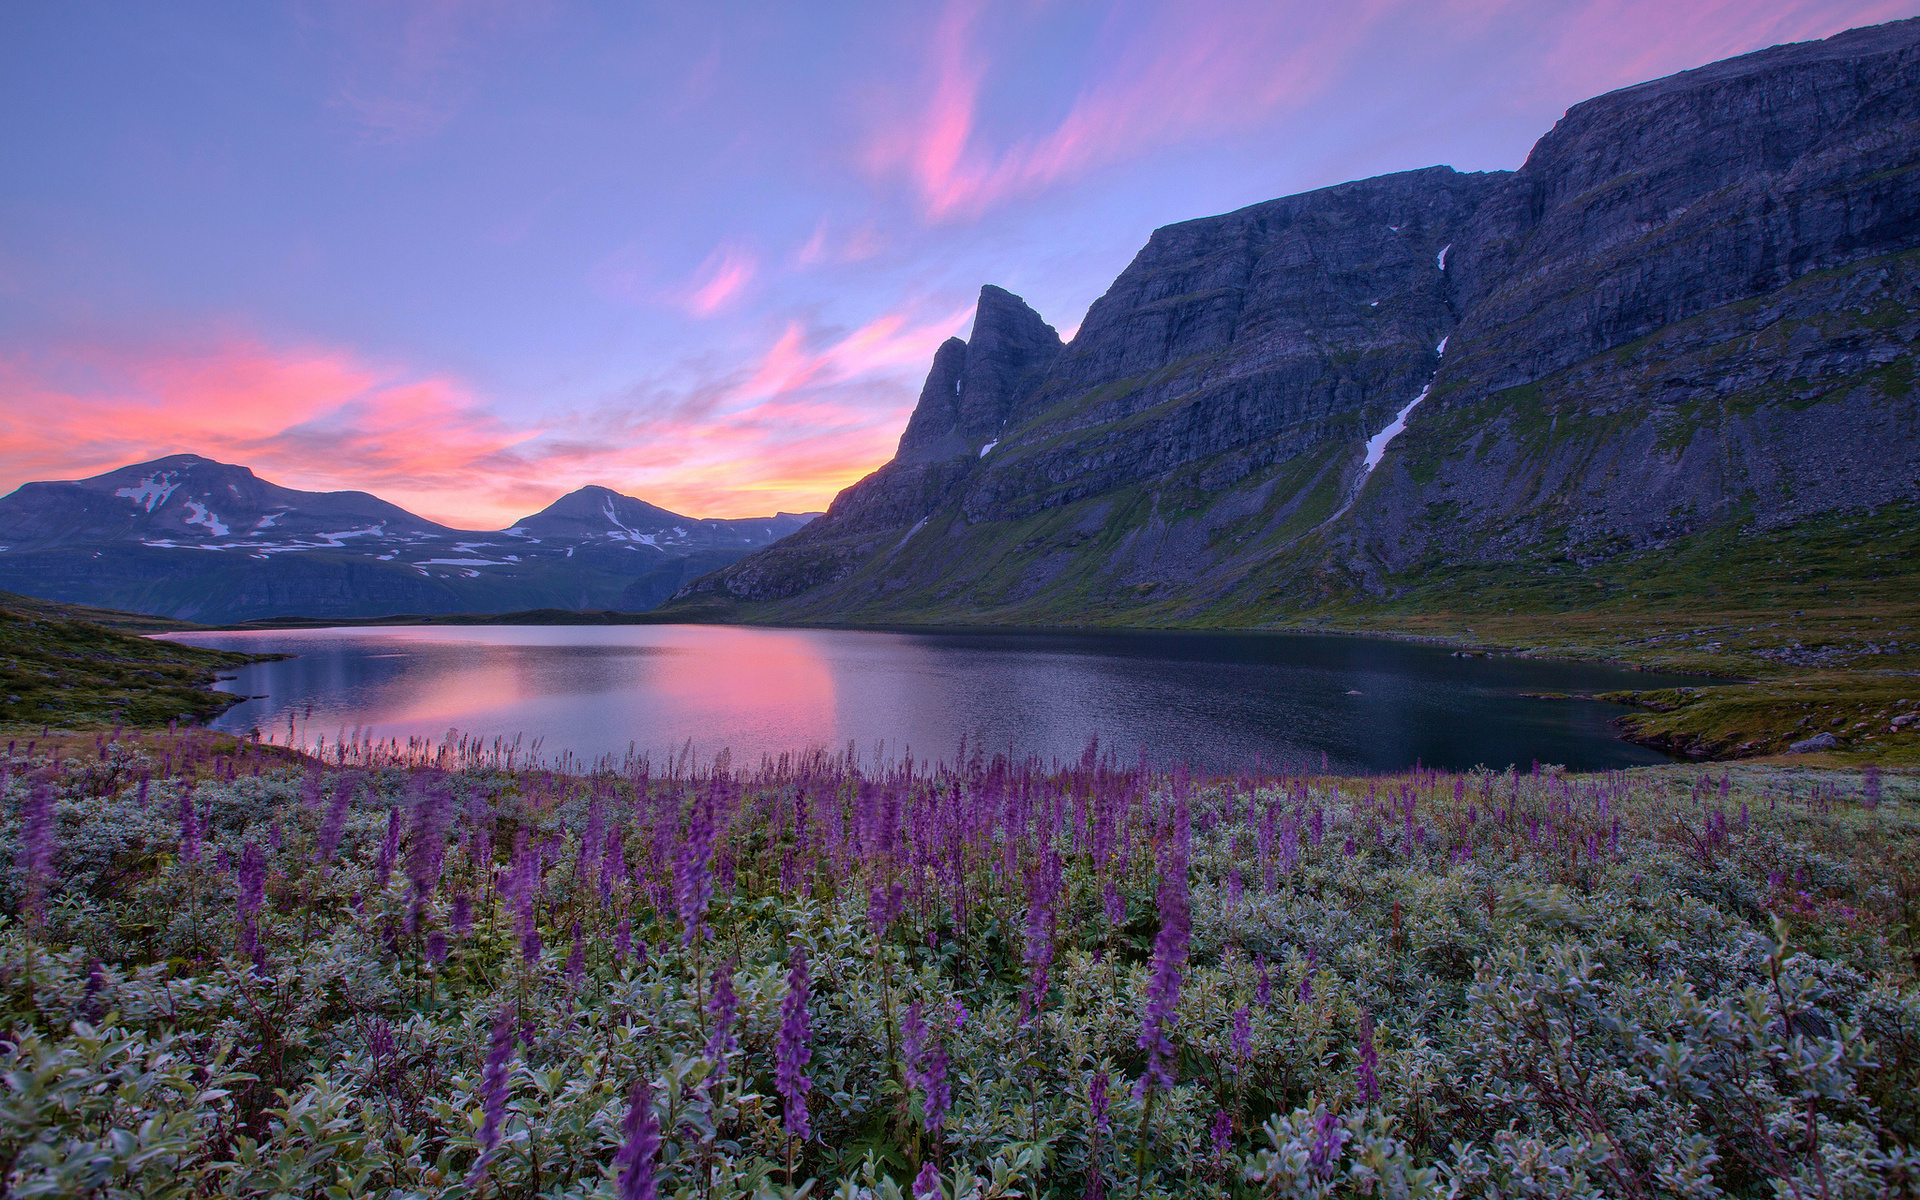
232, 970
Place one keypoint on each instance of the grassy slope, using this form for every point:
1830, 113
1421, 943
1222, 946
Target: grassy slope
58, 671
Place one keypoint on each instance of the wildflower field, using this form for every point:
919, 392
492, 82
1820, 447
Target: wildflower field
436, 971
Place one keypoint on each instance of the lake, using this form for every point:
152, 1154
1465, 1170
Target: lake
1215, 701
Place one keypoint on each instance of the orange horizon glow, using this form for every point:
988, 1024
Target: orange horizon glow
786, 432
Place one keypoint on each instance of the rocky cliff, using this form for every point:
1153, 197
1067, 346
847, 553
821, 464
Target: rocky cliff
1693, 309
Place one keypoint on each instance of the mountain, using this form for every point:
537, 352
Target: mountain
195, 539
1685, 325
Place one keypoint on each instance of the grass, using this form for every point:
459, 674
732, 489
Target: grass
57, 671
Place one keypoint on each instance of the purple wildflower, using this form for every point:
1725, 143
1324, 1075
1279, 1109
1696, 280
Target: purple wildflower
493, 1088
436, 947
1242, 1039
1306, 979
461, 916
1221, 1131
1263, 983
427, 848
36, 848
189, 826
1163, 993
636, 1158
1369, 1061
724, 1006
1115, 904
693, 876
1099, 1109
613, 865
1040, 931
249, 893
1329, 1138
926, 1068
884, 906
926, 1185
335, 822
793, 1053
623, 940
389, 851
522, 882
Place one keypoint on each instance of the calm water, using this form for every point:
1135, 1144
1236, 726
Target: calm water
1215, 701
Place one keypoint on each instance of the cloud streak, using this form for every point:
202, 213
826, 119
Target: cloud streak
811, 412
1171, 74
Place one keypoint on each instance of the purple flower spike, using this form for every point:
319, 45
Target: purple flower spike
636, 1159
577, 956
1242, 1036
623, 940
1163, 993
389, 851
1329, 1139
335, 821
36, 847
693, 875
1099, 1106
1369, 1061
1221, 1131
493, 1089
249, 893
793, 1052
926, 1185
1263, 986
926, 1068
461, 915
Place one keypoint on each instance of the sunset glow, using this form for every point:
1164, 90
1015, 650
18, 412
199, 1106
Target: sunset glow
468, 256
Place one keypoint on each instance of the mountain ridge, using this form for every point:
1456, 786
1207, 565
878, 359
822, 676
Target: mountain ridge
1693, 307
188, 537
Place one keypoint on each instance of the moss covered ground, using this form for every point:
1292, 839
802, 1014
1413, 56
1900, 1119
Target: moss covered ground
60, 671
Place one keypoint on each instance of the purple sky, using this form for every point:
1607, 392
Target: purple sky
472, 255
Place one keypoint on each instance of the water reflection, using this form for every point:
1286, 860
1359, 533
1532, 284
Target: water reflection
1217, 701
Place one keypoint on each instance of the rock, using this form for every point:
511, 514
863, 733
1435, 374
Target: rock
1818, 742
1694, 304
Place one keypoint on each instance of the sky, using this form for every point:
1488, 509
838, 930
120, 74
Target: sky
472, 255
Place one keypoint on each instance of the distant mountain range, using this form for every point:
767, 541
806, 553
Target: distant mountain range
205, 541
1681, 335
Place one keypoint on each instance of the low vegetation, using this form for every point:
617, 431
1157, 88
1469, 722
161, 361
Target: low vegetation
63, 668
388, 970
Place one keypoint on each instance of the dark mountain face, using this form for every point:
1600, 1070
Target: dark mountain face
597, 513
1693, 307
186, 499
191, 538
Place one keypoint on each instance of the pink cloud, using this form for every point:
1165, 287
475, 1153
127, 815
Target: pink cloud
721, 280
811, 413
1197, 69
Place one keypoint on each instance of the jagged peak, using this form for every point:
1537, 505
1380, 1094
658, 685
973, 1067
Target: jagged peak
973, 386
